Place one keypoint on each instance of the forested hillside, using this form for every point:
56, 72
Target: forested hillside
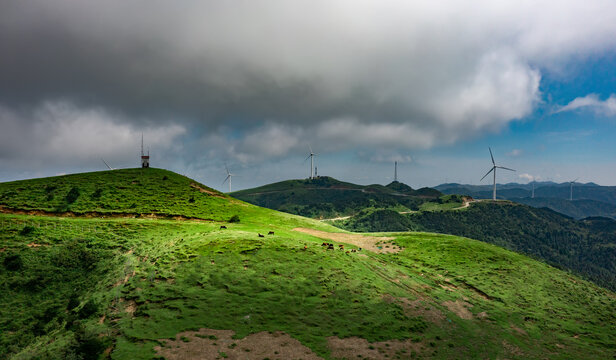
588, 199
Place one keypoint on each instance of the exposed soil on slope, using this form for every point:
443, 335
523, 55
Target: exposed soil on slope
219, 344
460, 308
376, 244
358, 348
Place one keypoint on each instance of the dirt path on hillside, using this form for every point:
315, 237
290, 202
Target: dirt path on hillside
377, 244
337, 218
206, 191
96, 214
465, 203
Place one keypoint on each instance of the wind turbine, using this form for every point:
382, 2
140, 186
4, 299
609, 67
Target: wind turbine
311, 156
395, 171
571, 189
493, 169
109, 167
229, 176
533, 193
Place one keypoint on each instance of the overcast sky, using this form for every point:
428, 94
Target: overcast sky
252, 84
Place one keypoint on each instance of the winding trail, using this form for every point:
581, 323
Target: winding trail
465, 203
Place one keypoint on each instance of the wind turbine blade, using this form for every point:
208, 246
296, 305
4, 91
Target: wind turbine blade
310, 147
308, 157
110, 168
226, 168
502, 167
493, 163
224, 181
492, 169
575, 180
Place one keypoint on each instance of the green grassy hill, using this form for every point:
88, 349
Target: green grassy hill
75, 285
587, 247
326, 197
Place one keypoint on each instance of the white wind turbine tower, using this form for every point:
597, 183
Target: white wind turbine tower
493, 169
533, 193
229, 176
395, 171
311, 156
571, 189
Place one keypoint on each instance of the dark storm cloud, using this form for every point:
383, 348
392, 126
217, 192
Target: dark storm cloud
256, 79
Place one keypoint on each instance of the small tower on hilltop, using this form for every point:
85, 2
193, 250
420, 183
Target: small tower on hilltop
145, 159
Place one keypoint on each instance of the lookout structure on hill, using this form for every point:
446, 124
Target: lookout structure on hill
145, 159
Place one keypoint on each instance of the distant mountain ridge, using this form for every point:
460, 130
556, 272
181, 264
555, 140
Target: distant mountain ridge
326, 197
589, 199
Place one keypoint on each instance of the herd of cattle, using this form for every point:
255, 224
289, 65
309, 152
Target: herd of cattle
329, 246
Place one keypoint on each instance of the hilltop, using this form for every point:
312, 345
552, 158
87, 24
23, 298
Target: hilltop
145, 270
153, 192
326, 197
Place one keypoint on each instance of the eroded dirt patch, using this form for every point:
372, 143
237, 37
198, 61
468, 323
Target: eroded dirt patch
418, 307
460, 308
376, 244
358, 348
219, 344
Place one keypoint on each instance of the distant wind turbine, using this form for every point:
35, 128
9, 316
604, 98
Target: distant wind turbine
109, 167
533, 193
311, 156
395, 171
571, 189
229, 176
493, 169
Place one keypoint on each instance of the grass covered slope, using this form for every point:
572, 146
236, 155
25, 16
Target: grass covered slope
127, 191
83, 287
587, 247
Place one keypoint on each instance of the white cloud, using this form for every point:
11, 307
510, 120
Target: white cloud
592, 102
527, 177
515, 153
60, 132
390, 157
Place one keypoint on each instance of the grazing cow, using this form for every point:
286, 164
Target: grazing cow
223, 227
359, 249
261, 235
324, 244
341, 247
305, 247
353, 250
330, 247
270, 233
